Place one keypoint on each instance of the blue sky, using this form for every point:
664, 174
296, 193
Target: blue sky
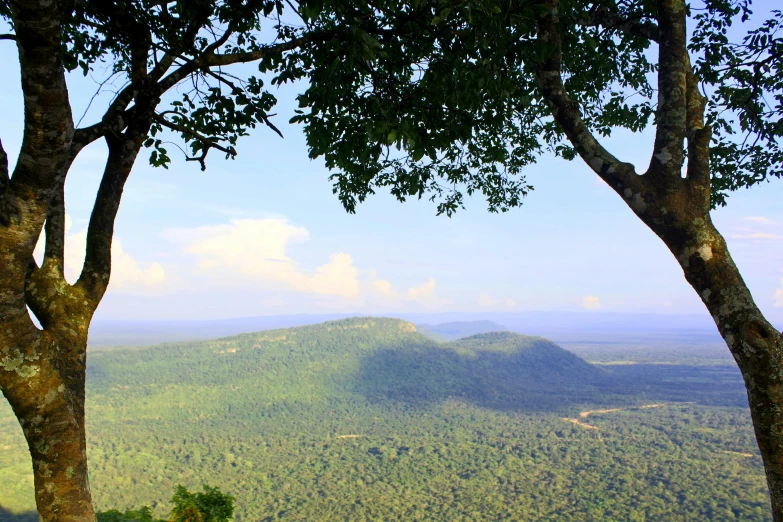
264, 235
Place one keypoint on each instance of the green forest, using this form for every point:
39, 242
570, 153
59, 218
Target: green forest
367, 419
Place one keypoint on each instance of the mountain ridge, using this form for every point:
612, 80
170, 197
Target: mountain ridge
366, 419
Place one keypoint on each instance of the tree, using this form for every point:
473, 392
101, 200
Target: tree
152, 47
210, 506
470, 92
452, 98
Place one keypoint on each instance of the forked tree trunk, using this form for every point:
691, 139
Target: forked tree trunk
42, 372
48, 400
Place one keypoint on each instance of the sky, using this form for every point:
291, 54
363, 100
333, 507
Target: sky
264, 235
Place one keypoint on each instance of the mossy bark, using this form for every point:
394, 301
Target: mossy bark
42, 371
51, 414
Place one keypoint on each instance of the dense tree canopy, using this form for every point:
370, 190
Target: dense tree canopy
443, 98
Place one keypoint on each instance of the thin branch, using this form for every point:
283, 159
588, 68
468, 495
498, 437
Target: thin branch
8, 37
295, 10
235, 91
211, 59
217, 44
611, 20
95, 95
206, 141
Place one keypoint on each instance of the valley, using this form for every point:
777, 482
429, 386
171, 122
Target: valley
367, 419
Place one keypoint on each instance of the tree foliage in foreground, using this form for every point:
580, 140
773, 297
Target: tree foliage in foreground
210, 506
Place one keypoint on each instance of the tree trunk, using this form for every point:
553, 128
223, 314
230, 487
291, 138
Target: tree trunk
677, 209
50, 410
756, 344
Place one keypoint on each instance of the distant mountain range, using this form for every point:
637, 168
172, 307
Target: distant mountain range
559, 326
458, 329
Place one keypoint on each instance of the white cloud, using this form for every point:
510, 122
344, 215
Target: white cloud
779, 294
760, 219
756, 235
383, 289
425, 295
485, 301
126, 273
753, 232
591, 302
257, 250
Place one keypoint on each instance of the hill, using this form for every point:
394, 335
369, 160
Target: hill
378, 359
367, 419
458, 329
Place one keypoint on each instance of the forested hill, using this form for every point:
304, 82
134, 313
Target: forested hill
377, 359
367, 419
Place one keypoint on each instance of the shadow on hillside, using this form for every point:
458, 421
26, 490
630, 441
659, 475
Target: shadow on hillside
7, 516
718, 385
536, 380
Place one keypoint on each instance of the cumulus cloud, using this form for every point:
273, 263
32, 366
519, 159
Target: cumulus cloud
383, 289
591, 302
425, 295
127, 274
485, 301
257, 250
779, 294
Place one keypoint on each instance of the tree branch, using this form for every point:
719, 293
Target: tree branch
54, 228
46, 106
618, 175
8, 37
123, 150
211, 59
4, 178
611, 20
667, 158
698, 136
236, 90
206, 141
50, 276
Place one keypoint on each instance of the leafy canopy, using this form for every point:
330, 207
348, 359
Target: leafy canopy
441, 97
210, 506
433, 98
